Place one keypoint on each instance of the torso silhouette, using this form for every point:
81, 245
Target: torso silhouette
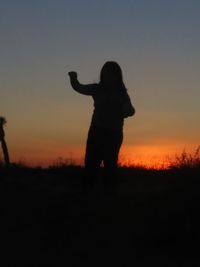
110, 106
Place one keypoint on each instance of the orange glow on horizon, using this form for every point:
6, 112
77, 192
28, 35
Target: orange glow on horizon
147, 156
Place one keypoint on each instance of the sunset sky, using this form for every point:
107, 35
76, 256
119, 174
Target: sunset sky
156, 43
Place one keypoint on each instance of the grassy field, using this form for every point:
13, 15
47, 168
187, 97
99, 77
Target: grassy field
47, 221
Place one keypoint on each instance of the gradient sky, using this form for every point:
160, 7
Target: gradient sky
156, 42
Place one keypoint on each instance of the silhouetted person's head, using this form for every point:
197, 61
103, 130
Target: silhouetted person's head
111, 76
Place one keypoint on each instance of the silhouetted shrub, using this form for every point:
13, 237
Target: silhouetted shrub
187, 160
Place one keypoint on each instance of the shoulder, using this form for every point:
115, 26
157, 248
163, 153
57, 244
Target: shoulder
96, 88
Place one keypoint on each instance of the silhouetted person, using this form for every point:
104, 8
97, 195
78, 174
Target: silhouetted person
3, 142
111, 105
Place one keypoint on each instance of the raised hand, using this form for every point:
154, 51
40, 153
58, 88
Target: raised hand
72, 74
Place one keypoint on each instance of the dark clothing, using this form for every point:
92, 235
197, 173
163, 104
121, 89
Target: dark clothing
103, 146
108, 108
111, 106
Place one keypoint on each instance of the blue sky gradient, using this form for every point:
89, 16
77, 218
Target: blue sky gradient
156, 43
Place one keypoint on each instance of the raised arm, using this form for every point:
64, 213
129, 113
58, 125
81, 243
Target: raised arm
85, 89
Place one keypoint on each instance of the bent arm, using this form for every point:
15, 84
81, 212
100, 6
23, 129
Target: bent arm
128, 109
85, 89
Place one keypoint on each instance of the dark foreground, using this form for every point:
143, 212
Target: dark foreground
46, 221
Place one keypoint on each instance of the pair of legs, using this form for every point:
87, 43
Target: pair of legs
103, 146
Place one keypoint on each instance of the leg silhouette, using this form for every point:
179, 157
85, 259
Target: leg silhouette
102, 145
5, 152
93, 158
114, 142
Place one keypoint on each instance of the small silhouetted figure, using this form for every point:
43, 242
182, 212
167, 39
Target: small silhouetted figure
3, 142
111, 106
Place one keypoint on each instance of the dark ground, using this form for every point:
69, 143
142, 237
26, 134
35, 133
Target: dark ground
46, 221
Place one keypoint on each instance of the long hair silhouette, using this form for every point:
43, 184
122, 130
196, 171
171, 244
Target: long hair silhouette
111, 106
111, 76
